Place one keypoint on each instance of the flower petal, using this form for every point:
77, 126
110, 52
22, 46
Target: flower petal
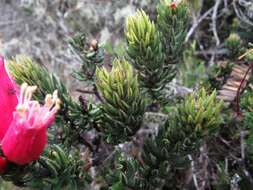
8, 98
23, 144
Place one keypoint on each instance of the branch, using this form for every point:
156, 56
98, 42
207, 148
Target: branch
214, 19
196, 24
194, 177
240, 14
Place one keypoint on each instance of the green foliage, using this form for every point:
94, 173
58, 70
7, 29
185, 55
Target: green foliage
196, 119
166, 155
217, 75
195, 6
233, 43
123, 105
73, 117
56, 169
200, 115
162, 159
224, 179
154, 170
246, 105
125, 174
245, 183
198, 137
91, 54
193, 70
248, 125
117, 50
145, 49
64, 170
247, 101
153, 49
173, 24
249, 54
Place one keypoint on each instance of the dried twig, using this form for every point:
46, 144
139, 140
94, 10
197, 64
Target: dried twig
240, 14
196, 24
214, 21
194, 176
242, 135
225, 4
211, 51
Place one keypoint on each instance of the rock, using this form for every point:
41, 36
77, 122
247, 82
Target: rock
40, 29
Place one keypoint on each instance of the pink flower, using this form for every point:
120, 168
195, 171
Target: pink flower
26, 137
24, 121
8, 98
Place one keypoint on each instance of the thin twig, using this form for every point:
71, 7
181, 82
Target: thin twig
211, 62
211, 51
94, 92
85, 91
240, 14
226, 166
214, 21
194, 177
196, 24
204, 159
97, 93
225, 4
242, 145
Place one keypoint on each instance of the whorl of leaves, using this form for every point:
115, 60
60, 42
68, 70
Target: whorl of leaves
146, 51
173, 24
123, 105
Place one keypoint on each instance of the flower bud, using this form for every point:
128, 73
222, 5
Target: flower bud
3, 163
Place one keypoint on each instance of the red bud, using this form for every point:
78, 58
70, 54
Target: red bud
173, 5
3, 163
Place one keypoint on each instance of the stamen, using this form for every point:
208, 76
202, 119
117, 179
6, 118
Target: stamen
48, 101
29, 92
55, 94
34, 109
22, 92
57, 106
54, 106
26, 93
31, 111
21, 110
52, 101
